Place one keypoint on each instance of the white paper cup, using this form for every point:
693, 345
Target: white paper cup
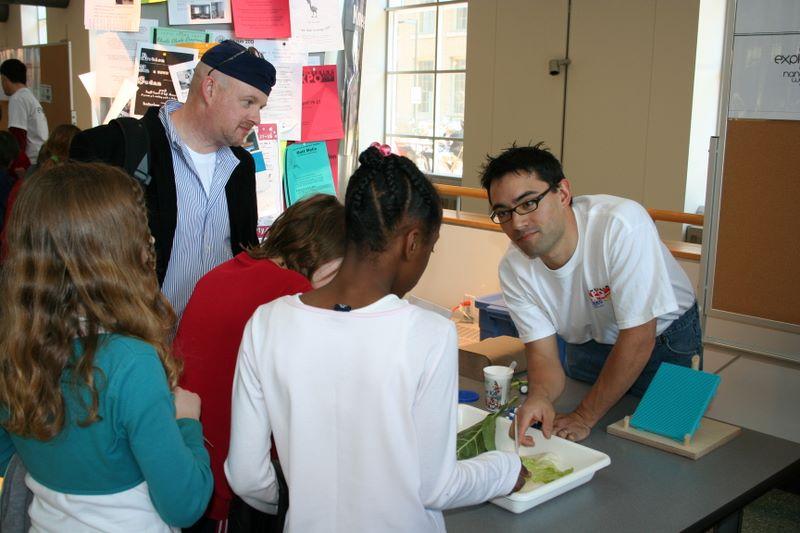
497, 380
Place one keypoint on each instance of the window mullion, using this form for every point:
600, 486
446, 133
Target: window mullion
435, 87
389, 30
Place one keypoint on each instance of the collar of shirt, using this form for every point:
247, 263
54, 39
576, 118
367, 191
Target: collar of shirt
225, 156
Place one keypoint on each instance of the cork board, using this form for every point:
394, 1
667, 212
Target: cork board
758, 244
54, 62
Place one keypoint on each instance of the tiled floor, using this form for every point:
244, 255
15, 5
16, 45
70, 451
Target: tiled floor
776, 511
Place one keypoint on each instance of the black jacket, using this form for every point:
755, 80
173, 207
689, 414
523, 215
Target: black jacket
106, 144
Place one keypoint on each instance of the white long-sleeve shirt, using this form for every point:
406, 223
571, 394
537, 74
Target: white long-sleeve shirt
363, 408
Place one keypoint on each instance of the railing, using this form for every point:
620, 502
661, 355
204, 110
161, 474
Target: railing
680, 249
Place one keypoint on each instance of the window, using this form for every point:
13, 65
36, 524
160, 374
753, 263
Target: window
33, 20
425, 83
461, 19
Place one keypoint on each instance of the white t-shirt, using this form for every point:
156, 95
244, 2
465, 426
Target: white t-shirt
363, 409
129, 510
204, 164
620, 276
25, 113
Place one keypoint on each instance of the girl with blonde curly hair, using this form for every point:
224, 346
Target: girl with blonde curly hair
88, 396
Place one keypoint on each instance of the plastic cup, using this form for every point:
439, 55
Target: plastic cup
497, 380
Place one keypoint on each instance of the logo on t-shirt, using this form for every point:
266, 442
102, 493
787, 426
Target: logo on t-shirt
599, 296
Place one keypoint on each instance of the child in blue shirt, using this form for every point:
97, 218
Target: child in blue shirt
88, 395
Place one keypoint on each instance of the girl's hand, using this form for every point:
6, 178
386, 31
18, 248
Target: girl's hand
523, 476
187, 404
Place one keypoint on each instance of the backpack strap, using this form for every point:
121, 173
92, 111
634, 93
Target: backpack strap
137, 146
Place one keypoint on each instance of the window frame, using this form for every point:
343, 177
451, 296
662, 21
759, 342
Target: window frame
439, 178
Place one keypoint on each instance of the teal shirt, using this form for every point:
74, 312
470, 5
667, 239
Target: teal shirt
136, 439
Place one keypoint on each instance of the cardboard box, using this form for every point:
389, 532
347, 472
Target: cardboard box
472, 358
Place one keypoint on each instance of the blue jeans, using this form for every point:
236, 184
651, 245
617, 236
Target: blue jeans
681, 340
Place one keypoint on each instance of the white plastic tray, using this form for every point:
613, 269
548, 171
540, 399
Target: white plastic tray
585, 461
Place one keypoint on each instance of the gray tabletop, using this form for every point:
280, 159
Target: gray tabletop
645, 489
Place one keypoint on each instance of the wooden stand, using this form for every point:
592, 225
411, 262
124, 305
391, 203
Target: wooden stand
710, 435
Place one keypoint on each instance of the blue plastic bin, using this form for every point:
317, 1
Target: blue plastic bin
495, 319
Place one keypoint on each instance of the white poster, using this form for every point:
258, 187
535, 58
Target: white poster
199, 12
765, 77
127, 91
112, 15
181, 74
113, 54
317, 24
285, 104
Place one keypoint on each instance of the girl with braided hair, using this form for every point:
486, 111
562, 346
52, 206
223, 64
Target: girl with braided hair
88, 385
357, 386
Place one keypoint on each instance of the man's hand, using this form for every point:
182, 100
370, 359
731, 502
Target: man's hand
571, 426
523, 476
536, 408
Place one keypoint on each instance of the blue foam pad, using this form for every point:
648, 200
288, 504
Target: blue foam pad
675, 401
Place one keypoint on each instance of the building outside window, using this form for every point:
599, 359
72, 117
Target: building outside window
425, 79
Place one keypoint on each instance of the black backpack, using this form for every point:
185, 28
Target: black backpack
137, 147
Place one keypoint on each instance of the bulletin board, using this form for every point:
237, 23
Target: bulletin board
757, 270
52, 64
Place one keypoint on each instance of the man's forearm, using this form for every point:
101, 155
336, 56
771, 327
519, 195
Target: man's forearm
625, 363
545, 376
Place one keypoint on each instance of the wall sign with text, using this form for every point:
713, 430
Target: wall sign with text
765, 78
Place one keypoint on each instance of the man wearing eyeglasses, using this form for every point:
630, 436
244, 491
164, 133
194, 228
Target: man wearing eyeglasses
592, 270
199, 184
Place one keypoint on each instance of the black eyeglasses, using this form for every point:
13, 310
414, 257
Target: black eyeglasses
501, 216
250, 50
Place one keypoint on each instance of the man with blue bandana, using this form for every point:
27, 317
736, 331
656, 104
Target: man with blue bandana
200, 192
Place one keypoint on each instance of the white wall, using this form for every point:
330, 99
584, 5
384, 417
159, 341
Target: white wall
705, 99
11, 30
626, 112
756, 392
464, 261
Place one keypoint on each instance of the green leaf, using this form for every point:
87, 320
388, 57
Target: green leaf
469, 442
479, 437
543, 469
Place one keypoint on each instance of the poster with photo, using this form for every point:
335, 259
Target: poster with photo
154, 78
199, 12
181, 75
